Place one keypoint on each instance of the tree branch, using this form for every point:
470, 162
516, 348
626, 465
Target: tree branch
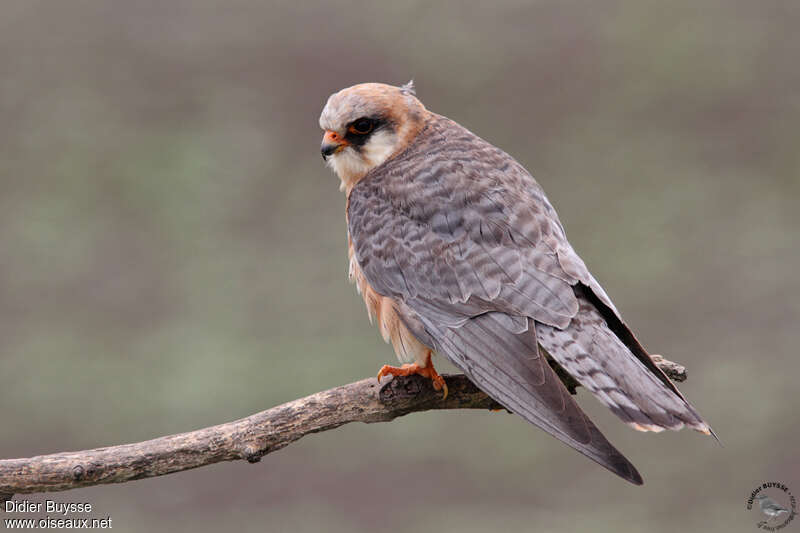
252, 437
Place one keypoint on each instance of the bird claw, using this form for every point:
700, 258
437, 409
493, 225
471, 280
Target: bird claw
439, 384
426, 371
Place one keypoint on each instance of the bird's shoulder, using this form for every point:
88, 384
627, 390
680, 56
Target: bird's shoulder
447, 170
455, 221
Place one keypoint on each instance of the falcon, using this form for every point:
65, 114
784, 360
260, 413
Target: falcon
457, 251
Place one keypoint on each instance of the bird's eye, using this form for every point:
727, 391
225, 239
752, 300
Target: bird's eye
362, 126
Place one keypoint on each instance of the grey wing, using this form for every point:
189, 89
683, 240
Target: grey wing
467, 240
462, 233
519, 378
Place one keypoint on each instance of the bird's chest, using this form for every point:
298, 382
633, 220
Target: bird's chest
377, 305
385, 311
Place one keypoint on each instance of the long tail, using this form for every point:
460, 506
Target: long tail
502, 358
600, 361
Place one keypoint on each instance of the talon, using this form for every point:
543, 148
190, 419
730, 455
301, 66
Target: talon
439, 384
426, 371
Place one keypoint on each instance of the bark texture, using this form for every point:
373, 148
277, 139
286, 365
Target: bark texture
253, 437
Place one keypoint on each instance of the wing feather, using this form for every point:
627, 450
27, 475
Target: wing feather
523, 382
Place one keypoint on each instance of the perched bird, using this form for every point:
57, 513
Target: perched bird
457, 251
769, 507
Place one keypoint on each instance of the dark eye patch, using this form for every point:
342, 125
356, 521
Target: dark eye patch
360, 130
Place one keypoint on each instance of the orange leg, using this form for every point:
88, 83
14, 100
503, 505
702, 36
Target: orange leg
426, 371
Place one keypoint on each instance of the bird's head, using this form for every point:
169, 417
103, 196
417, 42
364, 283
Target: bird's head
367, 124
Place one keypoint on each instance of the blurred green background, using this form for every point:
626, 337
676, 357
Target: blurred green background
172, 249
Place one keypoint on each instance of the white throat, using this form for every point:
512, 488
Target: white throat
351, 165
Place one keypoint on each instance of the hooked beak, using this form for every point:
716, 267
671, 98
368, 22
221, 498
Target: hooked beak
332, 143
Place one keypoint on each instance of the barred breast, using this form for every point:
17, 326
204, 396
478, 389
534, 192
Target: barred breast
387, 312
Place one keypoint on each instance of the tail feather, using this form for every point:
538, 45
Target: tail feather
600, 361
507, 366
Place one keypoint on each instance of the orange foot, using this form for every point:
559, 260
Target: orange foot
426, 371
